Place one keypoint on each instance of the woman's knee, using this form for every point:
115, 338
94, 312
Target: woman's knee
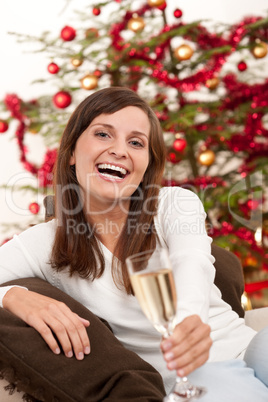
256, 355
230, 381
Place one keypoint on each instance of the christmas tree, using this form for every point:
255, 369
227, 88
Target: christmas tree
209, 91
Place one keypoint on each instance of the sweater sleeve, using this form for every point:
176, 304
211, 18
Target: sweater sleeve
181, 220
26, 255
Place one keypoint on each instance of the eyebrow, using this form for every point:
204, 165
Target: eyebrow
112, 127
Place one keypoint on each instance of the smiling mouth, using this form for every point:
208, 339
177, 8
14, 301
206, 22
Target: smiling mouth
112, 171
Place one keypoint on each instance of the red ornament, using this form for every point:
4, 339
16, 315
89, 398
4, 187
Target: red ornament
177, 13
34, 208
242, 66
96, 11
68, 33
53, 68
173, 156
179, 144
162, 6
253, 204
3, 126
62, 99
97, 73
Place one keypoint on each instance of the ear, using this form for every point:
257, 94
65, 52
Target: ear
72, 159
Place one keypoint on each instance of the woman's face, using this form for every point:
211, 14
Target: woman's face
112, 155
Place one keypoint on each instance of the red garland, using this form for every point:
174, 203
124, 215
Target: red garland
257, 97
205, 40
242, 232
255, 286
241, 92
198, 183
15, 105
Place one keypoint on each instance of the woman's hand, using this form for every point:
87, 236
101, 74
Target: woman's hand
188, 347
50, 316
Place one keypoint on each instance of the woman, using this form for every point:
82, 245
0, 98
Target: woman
108, 206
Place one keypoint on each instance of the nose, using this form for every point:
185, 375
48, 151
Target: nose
118, 149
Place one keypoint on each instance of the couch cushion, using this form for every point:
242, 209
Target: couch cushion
229, 277
109, 373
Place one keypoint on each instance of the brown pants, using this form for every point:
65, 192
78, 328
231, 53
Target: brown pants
109, 373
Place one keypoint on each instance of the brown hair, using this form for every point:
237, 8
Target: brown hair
81, 252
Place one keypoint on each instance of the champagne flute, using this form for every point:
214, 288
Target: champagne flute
153, 284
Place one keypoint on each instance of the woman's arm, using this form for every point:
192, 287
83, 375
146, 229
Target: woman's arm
182, 223
27, 255
182, 228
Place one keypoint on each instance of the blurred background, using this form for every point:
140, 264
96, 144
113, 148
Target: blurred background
206, 80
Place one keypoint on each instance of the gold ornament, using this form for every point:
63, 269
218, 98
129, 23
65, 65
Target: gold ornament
245, 301
77, 61
32, 130
212, 83
250, 261
260, 50
34, 127
258, 236
89, 81
183, 52
136, 24
155, 3
206, 158
265, 226
91, 33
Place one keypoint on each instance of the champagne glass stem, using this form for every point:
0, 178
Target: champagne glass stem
183, 390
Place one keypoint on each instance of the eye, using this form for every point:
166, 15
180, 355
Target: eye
137, 144
101, 134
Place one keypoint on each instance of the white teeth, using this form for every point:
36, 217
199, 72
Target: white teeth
110, 176
112, 167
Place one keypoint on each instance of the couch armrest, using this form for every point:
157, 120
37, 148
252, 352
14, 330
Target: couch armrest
257, 318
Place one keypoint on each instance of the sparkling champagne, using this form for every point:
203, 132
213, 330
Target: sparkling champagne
156, 294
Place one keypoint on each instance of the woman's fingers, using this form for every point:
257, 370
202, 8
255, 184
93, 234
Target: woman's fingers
72, 339
55, 322
184, 370
44, 330
191, 336
191, 359
71, 331
188, 347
